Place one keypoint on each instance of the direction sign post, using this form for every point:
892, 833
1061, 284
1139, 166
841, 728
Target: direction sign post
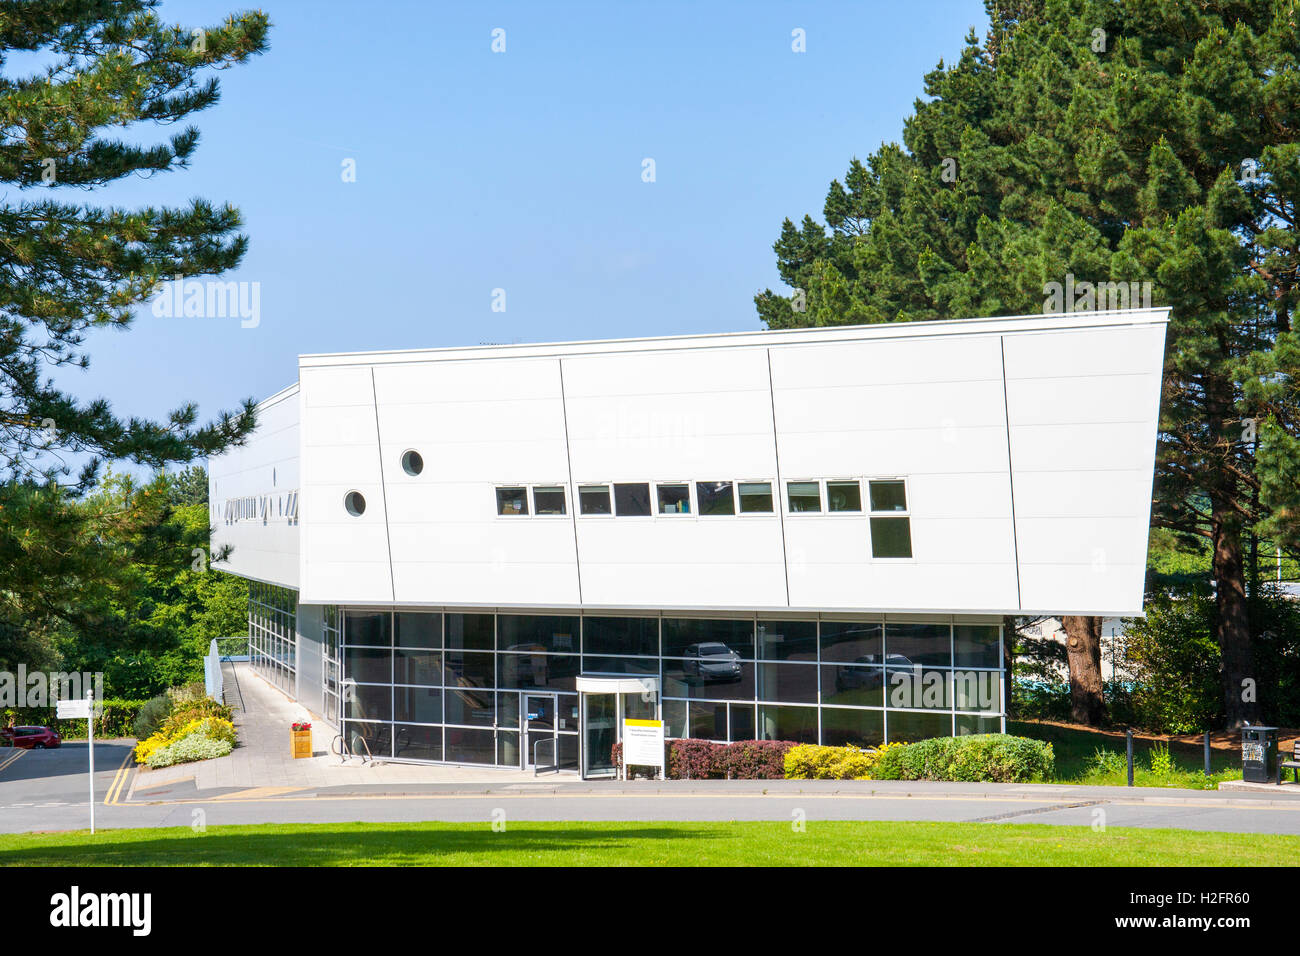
72, 710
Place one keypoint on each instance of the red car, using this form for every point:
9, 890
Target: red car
31, 738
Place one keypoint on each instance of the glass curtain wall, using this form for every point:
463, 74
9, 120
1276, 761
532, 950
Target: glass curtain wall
429, 685
332, 646
273, 633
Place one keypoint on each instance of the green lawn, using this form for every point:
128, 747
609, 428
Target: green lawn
648, 844
1075, 747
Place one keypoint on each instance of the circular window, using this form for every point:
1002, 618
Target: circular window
412, 463
355, 503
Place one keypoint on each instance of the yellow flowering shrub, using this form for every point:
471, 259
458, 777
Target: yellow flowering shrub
811, 762
147, 746
213, 728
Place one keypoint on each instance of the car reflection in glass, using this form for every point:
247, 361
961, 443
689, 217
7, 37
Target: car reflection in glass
711, 663
851, 677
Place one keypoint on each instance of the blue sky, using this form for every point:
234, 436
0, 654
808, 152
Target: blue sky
519, 170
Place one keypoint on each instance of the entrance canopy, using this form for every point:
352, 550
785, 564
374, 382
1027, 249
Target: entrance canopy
606, 700
595, 684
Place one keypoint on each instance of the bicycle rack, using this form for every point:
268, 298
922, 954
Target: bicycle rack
346, 753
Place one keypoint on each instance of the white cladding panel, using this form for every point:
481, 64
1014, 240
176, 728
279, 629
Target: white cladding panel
930, 411
261, 476
675, 416
342, 555
475, 428
1083, 407
1027, 489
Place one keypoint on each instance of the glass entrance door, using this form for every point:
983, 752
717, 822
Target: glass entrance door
599, 734
539, 730
603, 713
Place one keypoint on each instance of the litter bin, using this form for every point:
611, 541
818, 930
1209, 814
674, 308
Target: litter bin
1259, 754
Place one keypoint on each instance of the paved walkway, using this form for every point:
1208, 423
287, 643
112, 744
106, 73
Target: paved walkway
263, 761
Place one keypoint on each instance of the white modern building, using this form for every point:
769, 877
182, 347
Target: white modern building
487, 555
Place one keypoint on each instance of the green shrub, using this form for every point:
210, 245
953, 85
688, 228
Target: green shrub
188, 749
189, 710
115, 719
1107, 762
214, 728
1162, 762
151, 716
186, 693
988, 758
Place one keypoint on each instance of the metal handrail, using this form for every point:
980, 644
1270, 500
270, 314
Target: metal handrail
555, 762
238, 691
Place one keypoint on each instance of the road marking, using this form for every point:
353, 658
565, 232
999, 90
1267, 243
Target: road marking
1050, 808
254, 793
11, 758
119, 779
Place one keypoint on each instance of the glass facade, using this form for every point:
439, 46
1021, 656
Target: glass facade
491, 688
273, 633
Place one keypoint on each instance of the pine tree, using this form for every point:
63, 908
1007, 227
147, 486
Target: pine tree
68, 268
1139, 140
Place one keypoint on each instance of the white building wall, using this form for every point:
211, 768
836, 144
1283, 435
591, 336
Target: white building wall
675, 416
261, 474
1083, 409
474, 432
342, 555
1027, 446
930, 411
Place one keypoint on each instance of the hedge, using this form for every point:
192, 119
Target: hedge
812, 762
691, 759
987, 758
116, 720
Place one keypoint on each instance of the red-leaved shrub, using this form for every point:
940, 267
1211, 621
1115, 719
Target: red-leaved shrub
690, 759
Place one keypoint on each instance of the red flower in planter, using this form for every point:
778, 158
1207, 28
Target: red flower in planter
298, 727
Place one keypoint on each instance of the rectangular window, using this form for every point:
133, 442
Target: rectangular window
715, 497
620, 635
594, 500
470, 632
548, 500
888, 496
537, 633
843, 496
674, 499
755, 497
891, 537
512, 501
632, 500
805, 495
417, 629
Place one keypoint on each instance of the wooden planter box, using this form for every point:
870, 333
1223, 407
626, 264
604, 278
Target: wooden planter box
301, 743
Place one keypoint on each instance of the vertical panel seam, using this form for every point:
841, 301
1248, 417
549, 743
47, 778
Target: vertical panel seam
1011, 469
383, 488
777, 500
573, 490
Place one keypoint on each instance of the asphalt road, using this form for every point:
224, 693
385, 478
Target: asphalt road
46, 790
33, 782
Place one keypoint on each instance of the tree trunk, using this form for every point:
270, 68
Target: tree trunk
1083, 645
1240, 702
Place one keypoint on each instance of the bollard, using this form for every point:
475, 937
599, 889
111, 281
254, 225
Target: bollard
1208, 771
1128, 735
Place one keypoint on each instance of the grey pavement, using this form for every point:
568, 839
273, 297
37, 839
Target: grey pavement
676, 801
261, 783
263, 716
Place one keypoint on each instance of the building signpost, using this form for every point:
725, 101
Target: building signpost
643, 745
74, 710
